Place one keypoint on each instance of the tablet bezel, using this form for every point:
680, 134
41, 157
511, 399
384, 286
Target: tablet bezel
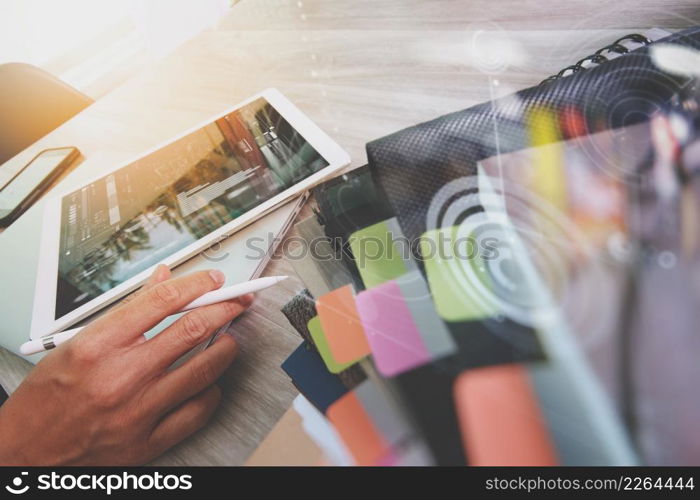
43, 320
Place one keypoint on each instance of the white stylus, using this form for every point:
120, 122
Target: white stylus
227, 293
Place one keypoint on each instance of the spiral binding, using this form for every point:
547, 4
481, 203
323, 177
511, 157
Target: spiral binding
597, 57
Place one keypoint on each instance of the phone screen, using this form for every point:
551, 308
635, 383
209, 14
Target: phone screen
30, 177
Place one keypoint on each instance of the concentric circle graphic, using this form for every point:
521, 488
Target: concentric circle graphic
533, 263
491, 49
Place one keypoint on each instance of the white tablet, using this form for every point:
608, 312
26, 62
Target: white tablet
102, 240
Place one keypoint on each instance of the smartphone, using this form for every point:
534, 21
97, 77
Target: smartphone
29, 183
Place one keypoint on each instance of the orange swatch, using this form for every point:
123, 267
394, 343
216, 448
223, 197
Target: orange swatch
499, 417
342, 326
357, 430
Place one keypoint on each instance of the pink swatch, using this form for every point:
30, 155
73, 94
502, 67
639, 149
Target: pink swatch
393, 337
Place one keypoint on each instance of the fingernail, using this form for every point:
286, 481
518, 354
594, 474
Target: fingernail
246, 300
217, 276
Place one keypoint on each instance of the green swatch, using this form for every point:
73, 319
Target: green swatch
319, 338
381, 253
459, 284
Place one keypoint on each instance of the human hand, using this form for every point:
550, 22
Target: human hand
109, 396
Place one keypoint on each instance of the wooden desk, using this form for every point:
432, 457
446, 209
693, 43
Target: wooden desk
360, 70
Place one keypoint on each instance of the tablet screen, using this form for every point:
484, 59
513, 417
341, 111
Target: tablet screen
133, 218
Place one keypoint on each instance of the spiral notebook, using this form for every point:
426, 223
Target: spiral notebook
621, 46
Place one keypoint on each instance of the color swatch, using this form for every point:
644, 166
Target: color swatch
381, 253
323, 348
500, 419
342, 326
433, 331
396, 343
310, 375
458, 282
362, 438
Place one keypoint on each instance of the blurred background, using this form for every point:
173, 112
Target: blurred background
95, 45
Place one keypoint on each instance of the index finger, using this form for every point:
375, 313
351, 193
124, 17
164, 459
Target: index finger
161, 273
131, 321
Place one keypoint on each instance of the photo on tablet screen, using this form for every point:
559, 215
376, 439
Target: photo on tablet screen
130, 220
